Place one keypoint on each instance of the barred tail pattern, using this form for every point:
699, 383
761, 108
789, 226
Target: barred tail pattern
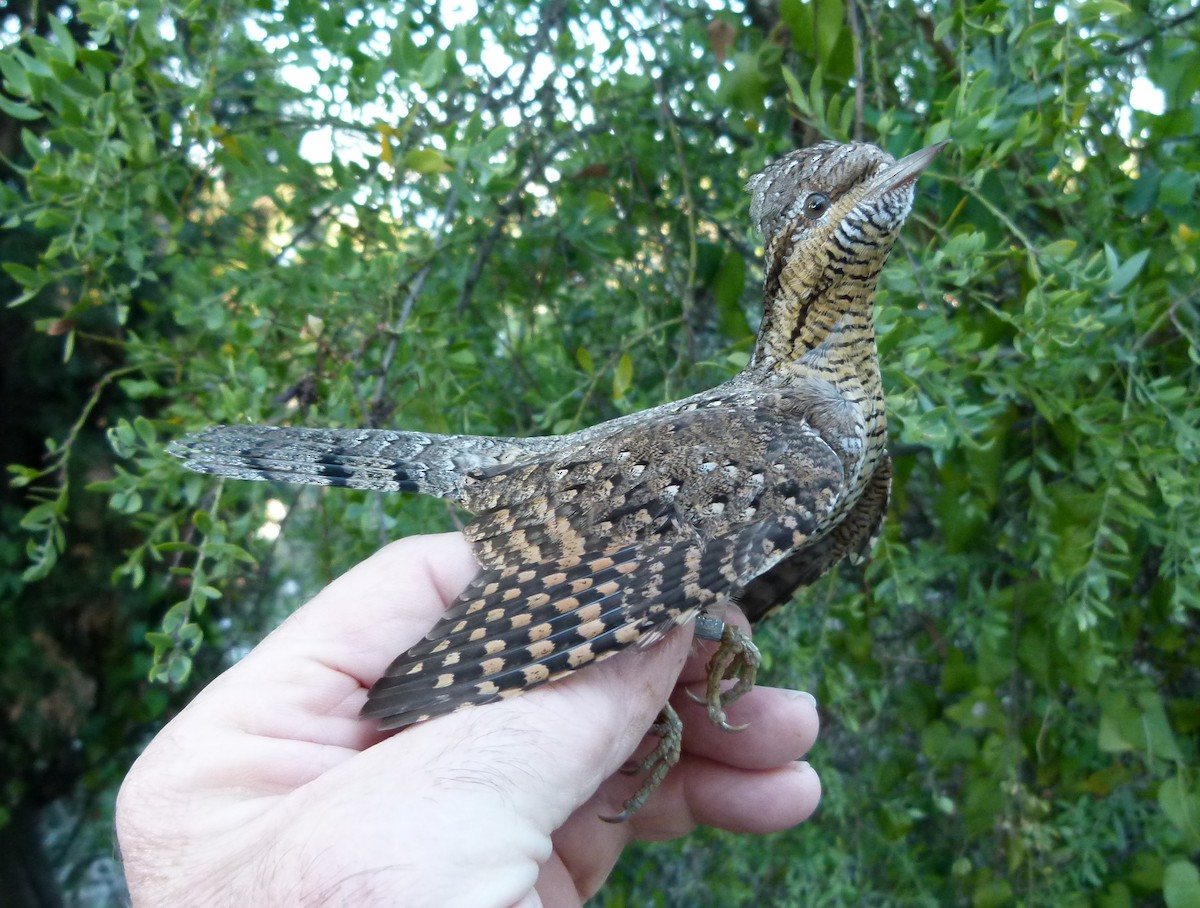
374, 459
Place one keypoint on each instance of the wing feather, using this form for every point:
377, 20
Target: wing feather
594, 555
559, 637
853, 537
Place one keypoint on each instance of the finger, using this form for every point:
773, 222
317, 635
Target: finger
697, 791
550, 749
523, 765
780, 726
557, 886
319, 663
711, 794
755, 802
589, 847
378, 609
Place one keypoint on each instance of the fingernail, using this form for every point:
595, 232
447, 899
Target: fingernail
802, 766
804, 695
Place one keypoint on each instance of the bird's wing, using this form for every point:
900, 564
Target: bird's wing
853, 537
598, 550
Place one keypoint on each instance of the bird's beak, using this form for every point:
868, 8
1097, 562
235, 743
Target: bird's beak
907, 169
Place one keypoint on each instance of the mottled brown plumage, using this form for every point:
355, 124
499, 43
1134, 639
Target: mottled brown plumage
607, 538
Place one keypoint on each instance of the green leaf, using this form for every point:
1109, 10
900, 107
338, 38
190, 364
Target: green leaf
744, 86
796, 92
938, 132
1110, 7
140, 389
203, 522
432, 70
929, 429
16, 79
190, 637
426, 161
66, 43
22, 475
992, 894
23, 274
816, 26
40, 516
830, 18
1118, 724
1181, 885
1124, 273
816, 89
586, 363
179, 667
19, 111
229, 550
622, 376
174, 618
1059, 249
158, 640
1179, 801
169, 548
126, 501
797, 16
1137, 723
122, 438
145, 431
32, 143
1177, 188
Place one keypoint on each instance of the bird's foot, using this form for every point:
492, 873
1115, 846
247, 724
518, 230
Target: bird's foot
737, 659
656, 764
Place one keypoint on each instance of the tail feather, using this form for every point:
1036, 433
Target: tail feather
373, 459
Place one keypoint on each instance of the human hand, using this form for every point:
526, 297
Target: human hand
269, 790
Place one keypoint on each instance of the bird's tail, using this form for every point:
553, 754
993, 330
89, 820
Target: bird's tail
376, 459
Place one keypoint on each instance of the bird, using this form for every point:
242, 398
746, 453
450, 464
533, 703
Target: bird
605, 539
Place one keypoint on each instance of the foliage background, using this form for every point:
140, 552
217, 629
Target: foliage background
521, 218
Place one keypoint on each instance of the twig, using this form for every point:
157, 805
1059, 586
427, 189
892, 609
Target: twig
509, 205
1156, 32
414, 290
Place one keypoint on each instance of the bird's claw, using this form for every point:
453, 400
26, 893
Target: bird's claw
720, 720
655, 764
737, 659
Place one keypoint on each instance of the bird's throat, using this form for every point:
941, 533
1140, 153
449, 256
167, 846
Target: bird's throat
833, 322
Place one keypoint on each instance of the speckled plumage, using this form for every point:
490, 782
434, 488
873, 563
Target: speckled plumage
607, 538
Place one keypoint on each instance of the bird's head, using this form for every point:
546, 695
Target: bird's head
829, 215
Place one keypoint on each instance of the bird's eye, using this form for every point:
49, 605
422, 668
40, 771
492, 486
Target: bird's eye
816, 205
